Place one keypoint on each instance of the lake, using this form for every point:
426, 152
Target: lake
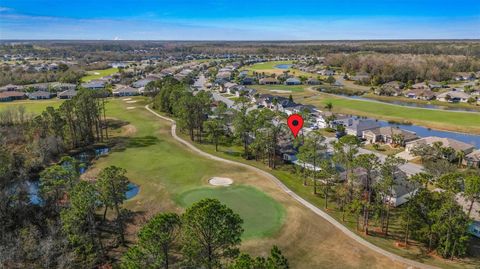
423, 132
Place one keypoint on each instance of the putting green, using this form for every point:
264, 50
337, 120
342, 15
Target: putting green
262, 215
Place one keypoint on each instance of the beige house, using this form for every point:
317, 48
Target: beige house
386, 135
446, 142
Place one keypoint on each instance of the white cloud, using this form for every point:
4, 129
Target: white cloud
3, 9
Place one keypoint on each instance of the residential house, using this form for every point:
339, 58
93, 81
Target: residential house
402, 189
392, 88
68, 94
326, 72
7, 96
11, 87
38, 95
292, 81
361, 77
125, 91
386, 135
421, 94
229, 87
446, 142
472, 159
313, 81
454, 96
142, 82
268, 81
94, 84
357, 126
247, 81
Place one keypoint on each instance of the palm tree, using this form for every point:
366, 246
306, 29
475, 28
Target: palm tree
460, 155
329, 106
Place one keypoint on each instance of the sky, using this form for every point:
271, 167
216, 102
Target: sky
239, 20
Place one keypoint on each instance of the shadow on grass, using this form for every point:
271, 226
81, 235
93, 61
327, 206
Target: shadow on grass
144, 141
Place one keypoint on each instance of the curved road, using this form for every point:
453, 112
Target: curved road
307, 204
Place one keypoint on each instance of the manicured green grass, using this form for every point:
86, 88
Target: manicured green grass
415, 101
32, 106
96, 74
169, 175
261, 214
292, 88
443, 120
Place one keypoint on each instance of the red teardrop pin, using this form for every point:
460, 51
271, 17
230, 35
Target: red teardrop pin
295, 123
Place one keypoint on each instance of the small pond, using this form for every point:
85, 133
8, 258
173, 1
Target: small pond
84, 158
283, 66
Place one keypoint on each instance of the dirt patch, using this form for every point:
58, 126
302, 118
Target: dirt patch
131, 102
127, 99
220, 181
130, 107
129, 130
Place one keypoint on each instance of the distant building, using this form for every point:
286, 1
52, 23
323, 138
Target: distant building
454, 96
38, 95
313, 81
421, 94
7, 96
268, 81
142, 82
68, 94
94, 85
292, 81
125, 91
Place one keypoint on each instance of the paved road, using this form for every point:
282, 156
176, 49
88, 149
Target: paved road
307, 204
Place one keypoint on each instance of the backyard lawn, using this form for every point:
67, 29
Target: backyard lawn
96, 74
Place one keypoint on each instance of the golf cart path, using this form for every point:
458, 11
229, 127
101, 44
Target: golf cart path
307, 204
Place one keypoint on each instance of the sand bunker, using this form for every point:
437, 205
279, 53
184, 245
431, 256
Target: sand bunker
281, 91
130, 107
220, 181
131, 102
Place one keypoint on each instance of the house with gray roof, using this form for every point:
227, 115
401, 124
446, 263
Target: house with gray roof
357, 126
292, 81
39, 95
94, 84
125, 91
68, 94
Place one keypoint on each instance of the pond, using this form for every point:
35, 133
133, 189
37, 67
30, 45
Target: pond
412, 104
283, 66
423, 132
84, 158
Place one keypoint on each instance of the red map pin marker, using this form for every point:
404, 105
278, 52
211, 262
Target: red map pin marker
295, 123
